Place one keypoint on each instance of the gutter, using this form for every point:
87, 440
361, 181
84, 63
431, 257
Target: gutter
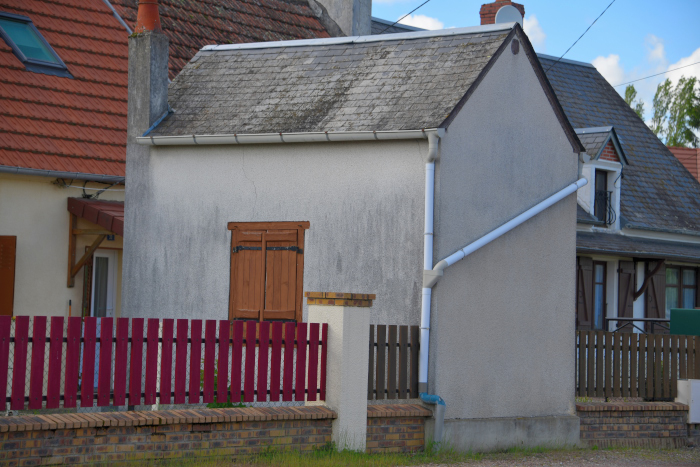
274, 138
59, 174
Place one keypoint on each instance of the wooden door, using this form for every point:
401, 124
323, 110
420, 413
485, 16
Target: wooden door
266, 270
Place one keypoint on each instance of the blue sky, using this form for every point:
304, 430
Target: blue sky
634, 38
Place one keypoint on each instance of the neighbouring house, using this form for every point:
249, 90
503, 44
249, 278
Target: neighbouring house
62, 157
269, 169
638, 218
638, 221
689, 157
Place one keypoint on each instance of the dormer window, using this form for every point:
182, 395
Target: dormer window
603, 165
29, 46
603, 209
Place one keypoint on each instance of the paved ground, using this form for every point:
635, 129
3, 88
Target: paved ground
614, 457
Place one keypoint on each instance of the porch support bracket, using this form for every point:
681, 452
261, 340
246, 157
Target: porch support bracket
73, 266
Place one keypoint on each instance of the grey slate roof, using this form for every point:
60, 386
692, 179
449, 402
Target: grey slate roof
372, 85
595, 140
382, 26
584, 217
658, 193
621, 245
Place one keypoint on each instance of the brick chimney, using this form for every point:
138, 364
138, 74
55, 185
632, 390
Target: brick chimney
488, 11
353, 17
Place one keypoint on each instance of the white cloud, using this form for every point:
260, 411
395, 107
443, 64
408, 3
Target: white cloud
610, 68
423, 22
535, 32
656, 62
655, 49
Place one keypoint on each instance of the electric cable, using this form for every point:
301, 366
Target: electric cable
407, 14
584, 33
657, 74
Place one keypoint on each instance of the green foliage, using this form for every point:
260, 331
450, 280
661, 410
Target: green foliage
218, 405
631, 99
676, 112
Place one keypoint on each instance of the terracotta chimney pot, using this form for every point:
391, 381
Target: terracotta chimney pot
148, 18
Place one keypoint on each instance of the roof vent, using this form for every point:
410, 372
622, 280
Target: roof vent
509, 14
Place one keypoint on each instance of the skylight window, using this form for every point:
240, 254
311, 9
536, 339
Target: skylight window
29, 45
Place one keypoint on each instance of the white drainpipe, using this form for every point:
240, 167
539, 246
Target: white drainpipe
432, 274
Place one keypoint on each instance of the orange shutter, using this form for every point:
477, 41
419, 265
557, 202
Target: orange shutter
267, 266
8, 247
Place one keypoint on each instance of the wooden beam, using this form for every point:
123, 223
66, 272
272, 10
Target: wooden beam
92, 232
87, 255
72, 224
645, 284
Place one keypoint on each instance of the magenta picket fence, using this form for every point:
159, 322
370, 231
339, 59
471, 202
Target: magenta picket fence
166, 361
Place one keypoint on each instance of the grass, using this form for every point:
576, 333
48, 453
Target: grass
330, 457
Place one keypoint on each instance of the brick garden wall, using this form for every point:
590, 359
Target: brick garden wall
396, 428
631, 424
137, 436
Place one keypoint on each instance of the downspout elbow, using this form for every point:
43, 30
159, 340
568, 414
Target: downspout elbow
433, 139
439, 414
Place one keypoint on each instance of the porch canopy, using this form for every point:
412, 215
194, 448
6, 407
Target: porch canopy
107, 214
636, 247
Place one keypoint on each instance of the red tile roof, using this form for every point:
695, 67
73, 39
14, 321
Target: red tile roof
192, 24
79, 125
106, 214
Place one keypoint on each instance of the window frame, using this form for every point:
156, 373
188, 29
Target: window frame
605, 290
680, 286
31, 64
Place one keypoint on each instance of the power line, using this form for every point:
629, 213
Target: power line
584, 33
657, 74
407, 14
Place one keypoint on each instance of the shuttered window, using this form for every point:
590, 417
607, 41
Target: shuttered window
681, 288
267, 270
590, 294
625, 299
655, 295
8, 247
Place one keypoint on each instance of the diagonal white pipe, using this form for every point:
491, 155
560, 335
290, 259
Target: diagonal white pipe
431, 275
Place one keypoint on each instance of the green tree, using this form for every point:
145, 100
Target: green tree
631, 99
675, 112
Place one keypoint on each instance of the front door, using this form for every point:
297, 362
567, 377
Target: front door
104, 284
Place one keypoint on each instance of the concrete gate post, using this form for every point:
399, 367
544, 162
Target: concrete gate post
347, 316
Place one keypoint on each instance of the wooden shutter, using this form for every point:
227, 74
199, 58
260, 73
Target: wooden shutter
584, 293
625, 300
267, 266
656, 295
8, 249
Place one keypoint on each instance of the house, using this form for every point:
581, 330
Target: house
62, 158
638, 220
270, 169
689, 157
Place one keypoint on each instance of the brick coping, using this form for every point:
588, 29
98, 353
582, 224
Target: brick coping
628, 406
397, 411
161, 417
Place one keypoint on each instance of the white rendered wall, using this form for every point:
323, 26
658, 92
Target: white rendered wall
364, 202
36, 212
502, 326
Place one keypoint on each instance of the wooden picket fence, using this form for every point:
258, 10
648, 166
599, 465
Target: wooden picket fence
290, 360
617, 364
393, 362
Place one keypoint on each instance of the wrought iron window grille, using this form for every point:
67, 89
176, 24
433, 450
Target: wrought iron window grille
604, 208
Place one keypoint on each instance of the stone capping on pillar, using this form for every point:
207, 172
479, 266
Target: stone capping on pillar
339, 299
